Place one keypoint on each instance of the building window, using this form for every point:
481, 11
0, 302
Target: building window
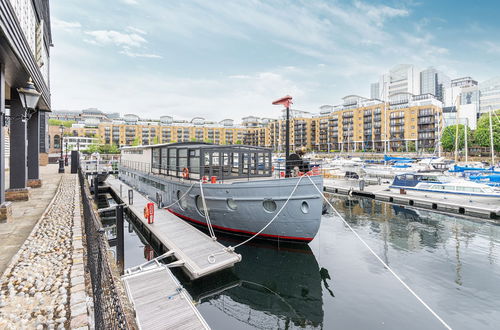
57, 142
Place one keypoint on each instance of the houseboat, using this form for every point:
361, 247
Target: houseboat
430, 184
241, 193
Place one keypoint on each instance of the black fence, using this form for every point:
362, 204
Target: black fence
111, 307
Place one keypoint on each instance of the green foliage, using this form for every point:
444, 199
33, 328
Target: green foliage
209, 141
102, 149
448, 137
65, 123
482, 133
411, 146
136, 142
239, 142
156, 140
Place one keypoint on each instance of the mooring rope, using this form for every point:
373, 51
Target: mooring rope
211, 257
381, 261
180, 198
207, 217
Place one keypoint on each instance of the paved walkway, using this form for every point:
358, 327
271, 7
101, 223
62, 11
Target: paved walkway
43, 287
26, 214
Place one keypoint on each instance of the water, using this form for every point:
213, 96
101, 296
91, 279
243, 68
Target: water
452, 263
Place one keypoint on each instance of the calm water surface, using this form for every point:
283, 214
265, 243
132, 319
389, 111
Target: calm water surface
452, 263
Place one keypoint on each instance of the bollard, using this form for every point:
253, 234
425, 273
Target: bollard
120, 244
130, 197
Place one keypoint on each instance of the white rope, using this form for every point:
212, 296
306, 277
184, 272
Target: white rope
207, 217
211, 257
381, 261
180, 198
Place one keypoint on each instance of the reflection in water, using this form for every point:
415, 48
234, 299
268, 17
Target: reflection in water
275, 288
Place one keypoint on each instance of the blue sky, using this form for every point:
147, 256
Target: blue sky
228, 59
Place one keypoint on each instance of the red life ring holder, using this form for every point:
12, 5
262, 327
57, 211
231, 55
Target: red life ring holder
185, 173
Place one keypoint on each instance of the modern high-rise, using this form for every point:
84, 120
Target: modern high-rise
375, 91
433, 81
489, 95
461, 99
402, 78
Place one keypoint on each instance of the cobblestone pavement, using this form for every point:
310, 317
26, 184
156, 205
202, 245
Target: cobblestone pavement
26, 214
44, 285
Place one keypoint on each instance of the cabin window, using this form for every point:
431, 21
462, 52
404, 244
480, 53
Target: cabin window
410, 177
449, 187
156, 158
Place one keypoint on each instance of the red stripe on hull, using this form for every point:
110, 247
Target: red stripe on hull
302, 239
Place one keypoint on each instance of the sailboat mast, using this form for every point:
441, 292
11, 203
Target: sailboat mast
492, 148
466, 146
456, 130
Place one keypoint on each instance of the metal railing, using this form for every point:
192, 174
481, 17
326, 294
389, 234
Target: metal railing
112, 309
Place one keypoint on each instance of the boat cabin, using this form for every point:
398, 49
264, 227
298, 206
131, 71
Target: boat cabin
195, 160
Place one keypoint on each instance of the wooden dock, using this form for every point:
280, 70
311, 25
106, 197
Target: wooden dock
191, 247
159, 300
445, 204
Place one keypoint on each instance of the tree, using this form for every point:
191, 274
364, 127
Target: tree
65, 123
448, 137
238, 142
482, 133
156, 140
137, 141
411, 146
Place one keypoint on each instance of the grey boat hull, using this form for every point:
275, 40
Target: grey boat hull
299, 221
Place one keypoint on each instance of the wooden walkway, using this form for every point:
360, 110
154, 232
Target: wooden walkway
159, 300
191, 247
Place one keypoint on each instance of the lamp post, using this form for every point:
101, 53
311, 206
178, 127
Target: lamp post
29, 97
66, 157
61, 159
286, 101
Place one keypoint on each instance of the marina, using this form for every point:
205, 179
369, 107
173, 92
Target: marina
450, 261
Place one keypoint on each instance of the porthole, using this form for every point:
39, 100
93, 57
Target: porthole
199, 205
181, 199
304, 207
269, 205
231, 204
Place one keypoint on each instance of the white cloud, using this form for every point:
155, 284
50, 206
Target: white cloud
378, 14
136, 30
111, 37
130, 2
64, 25
134, 54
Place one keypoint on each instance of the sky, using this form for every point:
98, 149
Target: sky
222, 59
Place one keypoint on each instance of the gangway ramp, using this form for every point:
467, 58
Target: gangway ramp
191, 247
159, 300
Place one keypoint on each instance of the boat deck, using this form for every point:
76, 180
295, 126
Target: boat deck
191, 247
159, 300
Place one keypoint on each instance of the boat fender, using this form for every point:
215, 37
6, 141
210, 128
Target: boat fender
350, 192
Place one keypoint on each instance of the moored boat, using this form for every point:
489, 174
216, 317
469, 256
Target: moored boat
439, 184
243, 196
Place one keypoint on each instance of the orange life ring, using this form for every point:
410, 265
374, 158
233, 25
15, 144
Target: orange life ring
273, 169
185, 173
